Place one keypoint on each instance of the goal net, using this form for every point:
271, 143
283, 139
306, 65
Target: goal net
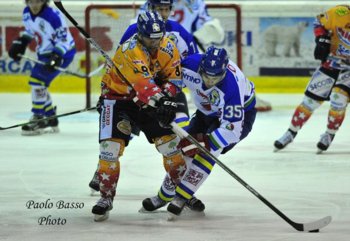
106, 24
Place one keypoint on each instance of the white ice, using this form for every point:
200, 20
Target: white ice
54, 167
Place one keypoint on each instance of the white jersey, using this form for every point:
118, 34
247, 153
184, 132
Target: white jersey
228, 100
191, 14
49, 30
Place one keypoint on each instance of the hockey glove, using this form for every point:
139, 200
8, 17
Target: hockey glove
54, 61
189, 149
18, 47
166, 110
323, 47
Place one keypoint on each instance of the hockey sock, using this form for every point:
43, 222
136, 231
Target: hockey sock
195, 175
302, 113
109, 166
339, 100
39, 98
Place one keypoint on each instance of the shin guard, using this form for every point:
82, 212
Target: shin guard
303, 112
109, 166
339, 101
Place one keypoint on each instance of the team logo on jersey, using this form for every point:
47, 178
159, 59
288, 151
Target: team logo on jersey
173, 38
214, 97
230, 127
342, 11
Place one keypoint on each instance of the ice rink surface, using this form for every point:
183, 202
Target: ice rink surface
56, 168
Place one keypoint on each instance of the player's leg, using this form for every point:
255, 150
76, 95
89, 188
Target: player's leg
40, 81
318, 90
115, 131
339, 99
201, 166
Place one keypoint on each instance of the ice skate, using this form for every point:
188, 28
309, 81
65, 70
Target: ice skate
35, 128
262, 105
53, 123
102, 208
195, 205
325, 142
281, 143
152, 204
175, 208
94, 184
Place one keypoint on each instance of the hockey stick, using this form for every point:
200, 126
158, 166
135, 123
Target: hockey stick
311, 227
66, 70
306, 227
59, 5
49, 118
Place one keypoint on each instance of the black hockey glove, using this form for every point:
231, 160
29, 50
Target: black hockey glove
166, 110
323, 47
18, 47
54, 61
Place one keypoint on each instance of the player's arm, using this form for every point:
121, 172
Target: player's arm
322, 36
19, 45
231, 124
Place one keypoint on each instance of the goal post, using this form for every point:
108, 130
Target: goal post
106, 24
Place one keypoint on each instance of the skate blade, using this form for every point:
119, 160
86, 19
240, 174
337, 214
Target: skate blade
93, 192
319, 151
143, 210
276, 149
172, 217
39, 132
100, 218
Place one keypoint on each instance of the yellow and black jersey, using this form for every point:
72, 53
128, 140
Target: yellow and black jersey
137, 70
336, 23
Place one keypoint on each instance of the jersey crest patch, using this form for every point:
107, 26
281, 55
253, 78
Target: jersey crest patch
214, 97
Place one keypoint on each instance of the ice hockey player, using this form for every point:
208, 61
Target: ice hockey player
55, 47
330, 81
194, 16
186, 46
225, 101
131, 99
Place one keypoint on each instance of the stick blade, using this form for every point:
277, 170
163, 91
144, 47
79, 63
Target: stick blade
321, 223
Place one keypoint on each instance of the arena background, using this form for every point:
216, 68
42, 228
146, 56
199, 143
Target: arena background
261, 21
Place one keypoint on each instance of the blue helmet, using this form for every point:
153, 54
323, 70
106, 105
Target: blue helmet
150, 25
214, 62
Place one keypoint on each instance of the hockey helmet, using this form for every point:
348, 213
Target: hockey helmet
213, 65
151, 25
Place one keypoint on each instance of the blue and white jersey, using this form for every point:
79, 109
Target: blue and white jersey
228, 100
183, 40
190, 14
49, 30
